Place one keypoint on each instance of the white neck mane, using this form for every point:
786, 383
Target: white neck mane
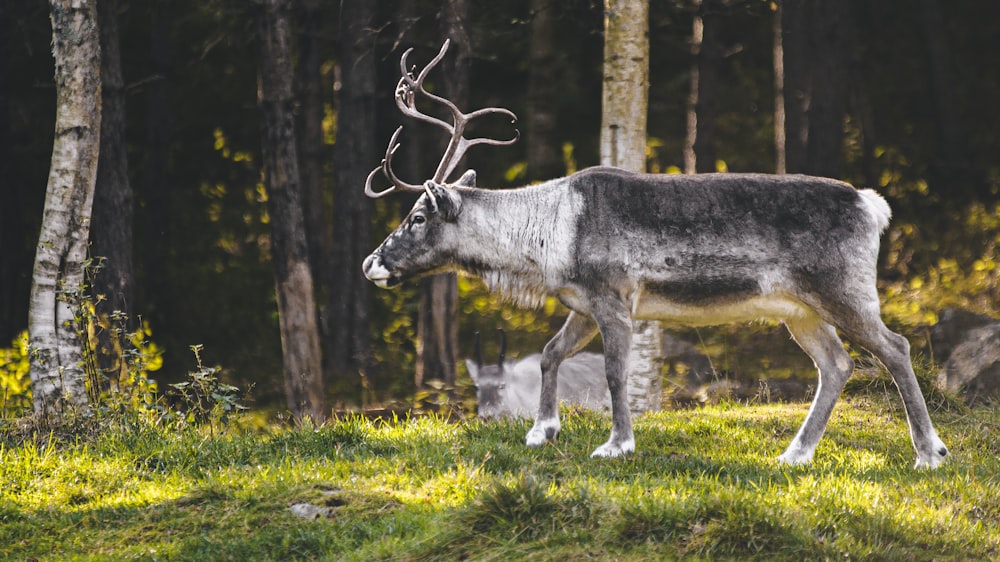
519, 241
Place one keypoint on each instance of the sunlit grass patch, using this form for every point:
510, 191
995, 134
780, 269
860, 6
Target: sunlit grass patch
703, 484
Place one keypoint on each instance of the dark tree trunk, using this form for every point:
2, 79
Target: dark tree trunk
289, 250
779, 91
814, 39
831, 28
862, 111
795, 30
111, 229
354, 156
706, 48
437, 320
956, 162
544, 153
12, 314
155, 287
312, 154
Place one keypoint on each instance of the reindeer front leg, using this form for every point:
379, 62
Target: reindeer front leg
615, 324
576, 332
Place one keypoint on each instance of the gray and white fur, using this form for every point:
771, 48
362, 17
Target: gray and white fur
615, 246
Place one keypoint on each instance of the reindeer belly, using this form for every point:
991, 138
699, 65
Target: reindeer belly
713, 301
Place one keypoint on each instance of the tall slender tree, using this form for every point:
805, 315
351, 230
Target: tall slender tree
544, 157
58, 379
796, 17
111, 229
313, 154
831, 28
778, 55
354, 151
10, 221
955, 157
289, 250
623, 144
706, 51
814, 66
156, 156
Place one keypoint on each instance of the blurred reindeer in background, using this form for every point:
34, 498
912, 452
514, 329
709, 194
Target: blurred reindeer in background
511, 388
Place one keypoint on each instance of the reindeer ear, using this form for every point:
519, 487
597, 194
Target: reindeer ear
444, 201
473, 370
468, 179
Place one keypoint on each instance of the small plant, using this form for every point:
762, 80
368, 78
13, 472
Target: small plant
203, 398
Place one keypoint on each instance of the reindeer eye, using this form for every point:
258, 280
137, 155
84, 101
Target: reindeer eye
419, 219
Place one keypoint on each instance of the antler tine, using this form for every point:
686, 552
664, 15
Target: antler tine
406, 103
464, 144
386, 167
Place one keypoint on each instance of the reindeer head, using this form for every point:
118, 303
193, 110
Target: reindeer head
422, 243
491, 381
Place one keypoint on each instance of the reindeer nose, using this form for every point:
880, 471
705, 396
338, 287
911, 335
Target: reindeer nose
367, 263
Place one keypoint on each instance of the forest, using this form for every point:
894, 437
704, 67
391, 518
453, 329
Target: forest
893, 95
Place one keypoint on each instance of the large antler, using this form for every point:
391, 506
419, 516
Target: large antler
406, 91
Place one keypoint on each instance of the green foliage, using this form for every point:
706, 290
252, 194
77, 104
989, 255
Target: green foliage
15, 381
123, 394
203, 398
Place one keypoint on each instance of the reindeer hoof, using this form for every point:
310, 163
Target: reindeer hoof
791, 459
611, 449
542, 432
935, 458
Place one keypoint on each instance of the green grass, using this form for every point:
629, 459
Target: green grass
704, 484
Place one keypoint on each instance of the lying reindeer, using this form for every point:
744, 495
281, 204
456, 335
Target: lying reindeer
511, 388
615, 246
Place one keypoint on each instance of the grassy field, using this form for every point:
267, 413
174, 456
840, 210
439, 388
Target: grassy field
703, 485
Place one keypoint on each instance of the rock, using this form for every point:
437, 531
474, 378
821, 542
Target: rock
952, 329
972, 369
309, 511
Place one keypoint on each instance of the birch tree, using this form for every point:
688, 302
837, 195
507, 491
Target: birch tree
58, 378
623, 144
289, 251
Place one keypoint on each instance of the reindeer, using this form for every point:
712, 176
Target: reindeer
511, 388
616, 246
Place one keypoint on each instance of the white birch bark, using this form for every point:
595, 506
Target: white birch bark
623, 144
57, 376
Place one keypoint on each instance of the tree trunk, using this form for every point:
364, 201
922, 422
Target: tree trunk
157, 183
58, 379
544, 153
795, 31
289, 250
111, 230
623, 144
437, 319
312, 154
828, 102
814, 46
779, 91
354, 154
10, 211
706, 49
954, 155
